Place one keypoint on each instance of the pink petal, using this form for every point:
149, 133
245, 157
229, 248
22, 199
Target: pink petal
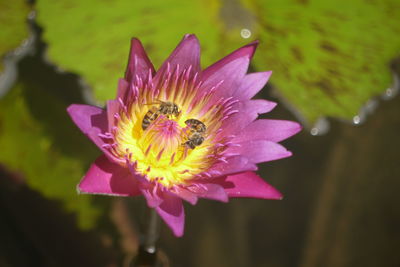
139, 63
271, 130
185, 194
88, 117
186, 55
227, 79
227, 73
248, 111
92, 121
233, 165
249, 184
215, 192
108, 178
172, 212
113, 107
246, 52
123, 89
152, 196
251, 84
209, 191
260, 151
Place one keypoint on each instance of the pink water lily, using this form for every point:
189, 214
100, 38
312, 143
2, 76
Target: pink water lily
183, 133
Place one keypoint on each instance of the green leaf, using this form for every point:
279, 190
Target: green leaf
13, 26
92, 38
30, 118
328, 57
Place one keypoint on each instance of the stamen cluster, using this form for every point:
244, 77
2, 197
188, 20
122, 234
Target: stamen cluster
169, 127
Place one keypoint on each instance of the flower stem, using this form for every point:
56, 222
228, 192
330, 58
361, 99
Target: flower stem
147, 255
152, 233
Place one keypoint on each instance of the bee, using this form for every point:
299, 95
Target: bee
165, 108
197, 132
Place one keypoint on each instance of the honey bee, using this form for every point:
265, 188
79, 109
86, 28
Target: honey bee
197, 132
165, 108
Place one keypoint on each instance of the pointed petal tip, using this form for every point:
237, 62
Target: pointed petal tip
178, 232
275, 195
78, 190
190, 36
273, 105
134, 40
71, 109
249, 185
297, 127
192, 39
252, 48
139, 63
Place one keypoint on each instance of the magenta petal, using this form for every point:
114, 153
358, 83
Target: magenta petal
212, 191
260, 151
139, 63
246, 52
186, 55
233, 165
108, 178
249, 184
248, 111
251, 84
271, 130
112, 109
227, 79
123, 89
172, 212
92, 121
152, 196
227, 73
258, 106
88, 117
185, 194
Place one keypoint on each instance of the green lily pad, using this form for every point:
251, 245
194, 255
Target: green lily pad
13, 26
27, 147
92, 38
329, 57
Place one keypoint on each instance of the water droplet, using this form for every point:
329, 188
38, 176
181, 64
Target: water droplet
356, 119
314, 131
151, 249
245, 33
320, 127
389, 93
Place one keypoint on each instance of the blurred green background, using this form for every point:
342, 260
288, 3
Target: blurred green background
333, 61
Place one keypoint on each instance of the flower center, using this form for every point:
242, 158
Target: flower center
169, 149
170, 132
161, 142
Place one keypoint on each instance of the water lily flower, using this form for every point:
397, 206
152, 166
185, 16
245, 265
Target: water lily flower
183, 133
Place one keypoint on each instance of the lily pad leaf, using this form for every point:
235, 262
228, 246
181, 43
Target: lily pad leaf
13, 25
329, 57
27, 147
91, 38
15, 41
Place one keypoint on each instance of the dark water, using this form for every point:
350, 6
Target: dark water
341, 205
